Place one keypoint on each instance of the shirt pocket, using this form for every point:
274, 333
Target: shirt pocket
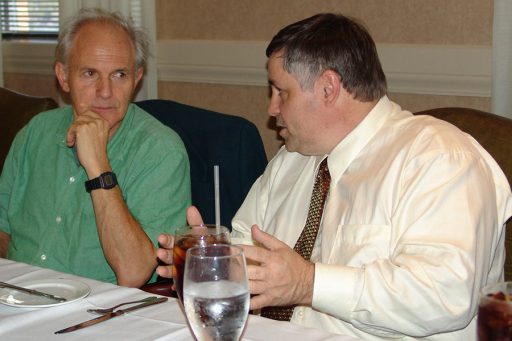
358, 244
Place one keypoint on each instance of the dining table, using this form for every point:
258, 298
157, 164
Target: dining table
164, 321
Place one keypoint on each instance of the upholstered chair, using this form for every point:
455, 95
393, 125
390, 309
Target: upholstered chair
494, 133
16, 110
212, 138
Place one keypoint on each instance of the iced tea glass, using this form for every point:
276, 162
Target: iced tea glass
495, 312
185, 238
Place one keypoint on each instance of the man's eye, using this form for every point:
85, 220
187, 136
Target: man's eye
89, 73
120, 74
276, 91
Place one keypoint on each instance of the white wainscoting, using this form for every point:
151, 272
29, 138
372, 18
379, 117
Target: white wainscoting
419, 69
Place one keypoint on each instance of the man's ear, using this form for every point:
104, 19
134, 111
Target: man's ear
62, 76
330, 85
138, 75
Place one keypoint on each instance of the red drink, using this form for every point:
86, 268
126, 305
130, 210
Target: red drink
187, 237
495, 313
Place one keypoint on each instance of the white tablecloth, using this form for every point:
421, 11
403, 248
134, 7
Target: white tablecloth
160, 322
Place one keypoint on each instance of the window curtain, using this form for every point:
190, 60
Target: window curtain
502, 58
148, 90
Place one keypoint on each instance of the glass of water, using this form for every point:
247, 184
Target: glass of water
216, 292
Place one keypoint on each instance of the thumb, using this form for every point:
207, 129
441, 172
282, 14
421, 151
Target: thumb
193, 216
268, 241
71, 136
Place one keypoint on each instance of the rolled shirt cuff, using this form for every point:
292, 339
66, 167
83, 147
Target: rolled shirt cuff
336, 289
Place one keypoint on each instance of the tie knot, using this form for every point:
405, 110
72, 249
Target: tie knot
323, 171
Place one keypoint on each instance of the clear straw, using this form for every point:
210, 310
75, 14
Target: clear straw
217, 195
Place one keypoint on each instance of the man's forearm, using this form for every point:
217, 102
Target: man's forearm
127, 248
4, 244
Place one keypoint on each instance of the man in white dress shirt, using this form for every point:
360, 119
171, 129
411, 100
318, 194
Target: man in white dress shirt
413, 225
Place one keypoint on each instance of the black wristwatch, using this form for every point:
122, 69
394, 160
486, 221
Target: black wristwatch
106, 180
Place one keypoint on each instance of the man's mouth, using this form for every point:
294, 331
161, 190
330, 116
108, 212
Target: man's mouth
100, 109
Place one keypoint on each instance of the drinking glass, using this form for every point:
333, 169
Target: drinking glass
216, 292
495, 312
185, 238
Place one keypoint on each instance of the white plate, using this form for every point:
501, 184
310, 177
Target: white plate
69, 289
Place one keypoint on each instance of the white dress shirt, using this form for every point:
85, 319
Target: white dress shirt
412, 229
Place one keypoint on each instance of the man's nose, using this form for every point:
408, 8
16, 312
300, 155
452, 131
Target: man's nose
273, 107
104, 87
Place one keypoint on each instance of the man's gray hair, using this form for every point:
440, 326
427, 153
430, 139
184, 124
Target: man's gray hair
97, 15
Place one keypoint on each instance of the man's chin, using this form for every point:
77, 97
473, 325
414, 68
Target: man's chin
295, 148
290, 147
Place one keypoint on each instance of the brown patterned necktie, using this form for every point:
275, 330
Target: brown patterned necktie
306, 241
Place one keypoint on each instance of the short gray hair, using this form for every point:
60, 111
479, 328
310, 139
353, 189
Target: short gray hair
329, 41
88, 15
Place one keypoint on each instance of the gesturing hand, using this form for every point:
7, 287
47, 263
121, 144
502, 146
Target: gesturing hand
282, 277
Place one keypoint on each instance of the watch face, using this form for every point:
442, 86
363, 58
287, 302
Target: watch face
108, 180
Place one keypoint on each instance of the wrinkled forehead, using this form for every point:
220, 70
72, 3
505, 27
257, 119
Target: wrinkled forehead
102, 37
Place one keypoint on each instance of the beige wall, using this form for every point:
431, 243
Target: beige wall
425, 22
439, 22
389, 21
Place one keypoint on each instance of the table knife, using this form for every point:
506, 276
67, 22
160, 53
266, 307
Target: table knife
32, 292
108, 316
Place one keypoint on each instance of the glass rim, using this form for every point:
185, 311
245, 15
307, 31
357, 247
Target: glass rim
201, 227
190, 250
492, 288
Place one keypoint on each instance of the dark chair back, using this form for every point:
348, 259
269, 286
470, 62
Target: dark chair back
211, 138
16, 110
494, 133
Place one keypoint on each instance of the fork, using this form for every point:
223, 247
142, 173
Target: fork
109, 310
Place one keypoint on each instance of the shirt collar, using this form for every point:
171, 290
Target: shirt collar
350, 147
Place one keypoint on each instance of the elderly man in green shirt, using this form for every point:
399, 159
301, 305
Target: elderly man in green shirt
135, 170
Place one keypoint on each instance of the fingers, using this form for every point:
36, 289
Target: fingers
164, 254
258, 302
164, 271
193, 216
256, 254
71, 137
166, 240
256, 273
267, 240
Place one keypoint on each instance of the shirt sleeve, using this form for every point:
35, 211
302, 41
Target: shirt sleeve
446, 226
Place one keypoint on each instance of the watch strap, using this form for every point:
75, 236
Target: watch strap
106, 180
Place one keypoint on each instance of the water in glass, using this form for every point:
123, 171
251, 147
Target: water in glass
216, 292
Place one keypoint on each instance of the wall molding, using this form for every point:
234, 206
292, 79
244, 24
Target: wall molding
417, 69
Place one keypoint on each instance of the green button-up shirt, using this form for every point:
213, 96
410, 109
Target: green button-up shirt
49, 215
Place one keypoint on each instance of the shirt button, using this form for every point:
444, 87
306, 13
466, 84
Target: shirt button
58, 219
71, 179
43, 257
